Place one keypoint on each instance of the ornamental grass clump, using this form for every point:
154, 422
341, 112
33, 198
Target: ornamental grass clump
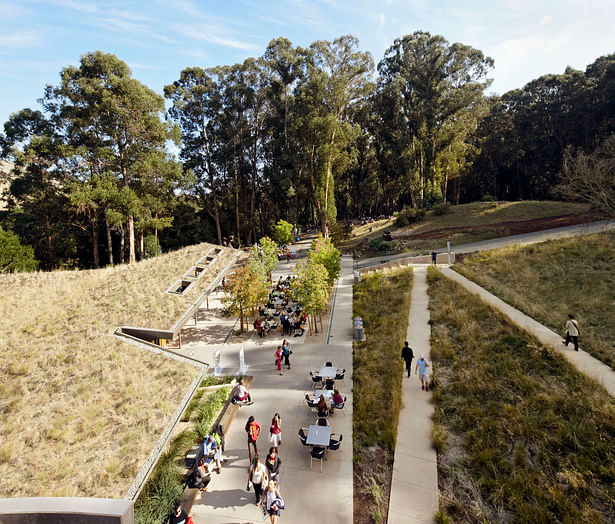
529, 439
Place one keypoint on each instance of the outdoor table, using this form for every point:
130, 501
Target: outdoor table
326, 392
319, 436
328, 372
278, 302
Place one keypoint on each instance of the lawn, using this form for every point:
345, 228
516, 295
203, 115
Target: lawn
81, 410
521, 435
466, 223
549, 280
383, 301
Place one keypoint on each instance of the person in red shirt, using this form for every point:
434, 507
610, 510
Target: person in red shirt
253, 429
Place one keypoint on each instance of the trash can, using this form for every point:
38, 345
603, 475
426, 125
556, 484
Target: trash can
357, 277
358, 328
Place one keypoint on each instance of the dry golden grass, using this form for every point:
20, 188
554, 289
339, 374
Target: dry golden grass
80, 409
476, 214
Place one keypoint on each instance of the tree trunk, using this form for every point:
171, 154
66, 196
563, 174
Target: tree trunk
122, 245
50, 249
131, 239
109, 239
141, 245
96, 260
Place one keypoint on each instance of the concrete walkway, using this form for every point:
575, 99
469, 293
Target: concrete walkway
227, 500
414, 486
583, 361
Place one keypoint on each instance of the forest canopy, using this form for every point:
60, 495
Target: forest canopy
310, 136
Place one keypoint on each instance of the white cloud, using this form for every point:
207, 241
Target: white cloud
215, 35
545, 20
84, 7
146, 67
24, 38
382, 19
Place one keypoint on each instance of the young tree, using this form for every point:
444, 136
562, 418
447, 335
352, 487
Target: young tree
283, 232
245, 290
312, 289
325, 253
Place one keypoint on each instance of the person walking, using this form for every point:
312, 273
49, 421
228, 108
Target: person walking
421, 369
572, 332
434, 257
273, 462
258, 476
286, 353
273, 501
278, 359
275, 431
407, 355
253, 429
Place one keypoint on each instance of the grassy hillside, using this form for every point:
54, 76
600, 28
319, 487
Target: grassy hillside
80, 409
549, 280
468, 223
521, 435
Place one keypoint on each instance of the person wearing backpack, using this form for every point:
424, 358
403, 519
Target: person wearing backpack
253, 429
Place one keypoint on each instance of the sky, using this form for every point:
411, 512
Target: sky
159, 38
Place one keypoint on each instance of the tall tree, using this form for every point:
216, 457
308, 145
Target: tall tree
113, 122
434, 84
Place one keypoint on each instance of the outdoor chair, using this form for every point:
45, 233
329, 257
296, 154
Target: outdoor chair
316, 380
334, 445
303, 436
322, 414
339, 377
311, 402
329, 364
322, 421
318, 453
329, 383
341, 406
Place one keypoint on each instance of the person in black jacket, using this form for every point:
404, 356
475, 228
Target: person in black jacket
407, 355
273, 464
178, 515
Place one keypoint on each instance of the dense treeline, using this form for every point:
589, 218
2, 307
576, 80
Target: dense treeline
310, 135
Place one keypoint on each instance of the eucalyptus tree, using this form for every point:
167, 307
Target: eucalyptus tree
435, 84
113, 122
37, 195
338, 78
197, 108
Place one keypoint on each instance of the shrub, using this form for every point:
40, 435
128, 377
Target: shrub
441, 208
390, 245
13, 255
488, 198
409, 215
283, 232
151, 246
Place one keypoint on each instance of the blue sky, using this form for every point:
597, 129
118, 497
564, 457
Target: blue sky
158, 38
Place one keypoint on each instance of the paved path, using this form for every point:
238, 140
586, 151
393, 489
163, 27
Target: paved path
227, 499
583, 361
496, 243
414, 486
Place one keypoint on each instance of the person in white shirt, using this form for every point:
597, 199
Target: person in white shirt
258, 477
572, 332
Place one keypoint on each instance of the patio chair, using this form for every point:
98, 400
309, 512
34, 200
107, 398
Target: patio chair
339, 377
322, 421
329, 383
334, 445
329, 364
318, 453
311, 402
316, 380
303, 436
341, 406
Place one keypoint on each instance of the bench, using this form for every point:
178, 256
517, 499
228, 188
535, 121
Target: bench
227, 415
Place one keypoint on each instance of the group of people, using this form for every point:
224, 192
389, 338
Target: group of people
337, 401
283, 351
263, 476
